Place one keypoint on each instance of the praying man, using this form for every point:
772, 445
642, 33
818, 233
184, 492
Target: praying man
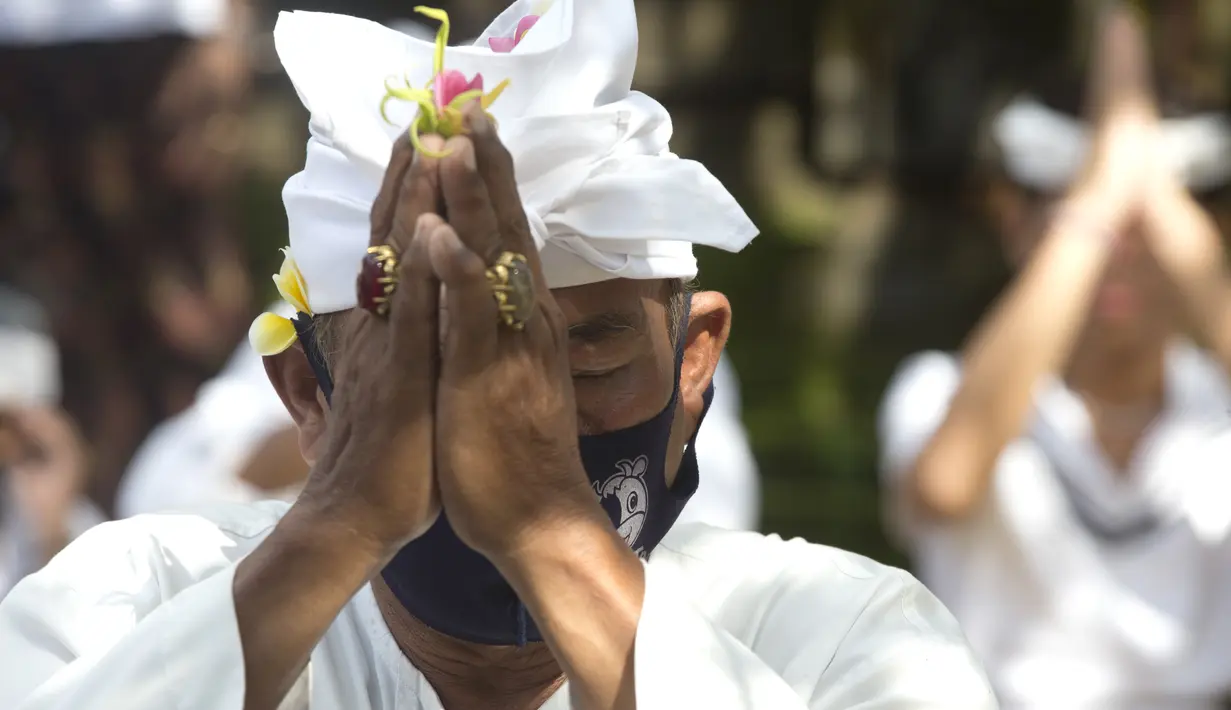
497, 374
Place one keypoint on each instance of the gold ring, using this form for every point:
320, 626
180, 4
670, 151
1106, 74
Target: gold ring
378, 279
512, 285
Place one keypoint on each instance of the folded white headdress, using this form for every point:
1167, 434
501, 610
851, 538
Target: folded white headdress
29, 358
1044, 149
604, 195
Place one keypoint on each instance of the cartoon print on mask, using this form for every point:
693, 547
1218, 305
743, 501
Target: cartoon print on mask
627, 489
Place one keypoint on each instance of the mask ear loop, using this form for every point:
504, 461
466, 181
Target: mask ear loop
305, 328
688, 477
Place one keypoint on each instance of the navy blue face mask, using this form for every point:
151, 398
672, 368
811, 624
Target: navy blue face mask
458, 592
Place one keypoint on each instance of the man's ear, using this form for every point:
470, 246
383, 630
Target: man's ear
705, 337
295, 383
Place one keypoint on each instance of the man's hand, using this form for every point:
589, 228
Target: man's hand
1030, 332
372, 490
508, 465
375, 476
506, 448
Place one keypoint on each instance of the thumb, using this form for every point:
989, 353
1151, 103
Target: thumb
470, 342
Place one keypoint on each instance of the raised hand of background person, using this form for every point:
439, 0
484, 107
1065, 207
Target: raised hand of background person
1187, 244
1031, 330
1123, 115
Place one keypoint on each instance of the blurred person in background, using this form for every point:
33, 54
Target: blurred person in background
42, 458
1056, 483
120, 124
236, 443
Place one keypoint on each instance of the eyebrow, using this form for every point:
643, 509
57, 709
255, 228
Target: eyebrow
604, 326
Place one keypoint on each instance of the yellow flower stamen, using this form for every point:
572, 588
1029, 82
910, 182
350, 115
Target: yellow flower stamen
433, 118
461, 99
442, 36
492, 95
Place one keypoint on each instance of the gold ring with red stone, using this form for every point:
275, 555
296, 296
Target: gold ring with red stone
378, 279
512, 285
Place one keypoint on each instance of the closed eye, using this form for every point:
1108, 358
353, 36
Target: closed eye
598, 374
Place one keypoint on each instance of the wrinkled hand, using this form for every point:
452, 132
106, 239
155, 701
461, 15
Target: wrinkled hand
46, 482
375, 475
507, 454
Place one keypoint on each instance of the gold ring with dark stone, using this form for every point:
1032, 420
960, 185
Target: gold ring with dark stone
378, 279
512, 285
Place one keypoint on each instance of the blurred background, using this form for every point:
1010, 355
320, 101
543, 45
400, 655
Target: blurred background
851, 130
143, 149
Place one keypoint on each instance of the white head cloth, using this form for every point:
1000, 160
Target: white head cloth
604, 196
29, 368
1044, 149
29, 357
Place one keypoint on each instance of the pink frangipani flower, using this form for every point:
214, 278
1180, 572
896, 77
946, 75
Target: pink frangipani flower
506, 44
441, 101
451, 83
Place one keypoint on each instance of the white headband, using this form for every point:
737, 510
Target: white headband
604, 195
1044, 149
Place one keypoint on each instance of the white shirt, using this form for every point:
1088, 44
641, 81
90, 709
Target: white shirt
196, 457
1080, 587
729, 490
19, 551
48, 22
138, 614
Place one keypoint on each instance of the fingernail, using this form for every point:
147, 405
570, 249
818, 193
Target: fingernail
467, 152
478, 119
432, 142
